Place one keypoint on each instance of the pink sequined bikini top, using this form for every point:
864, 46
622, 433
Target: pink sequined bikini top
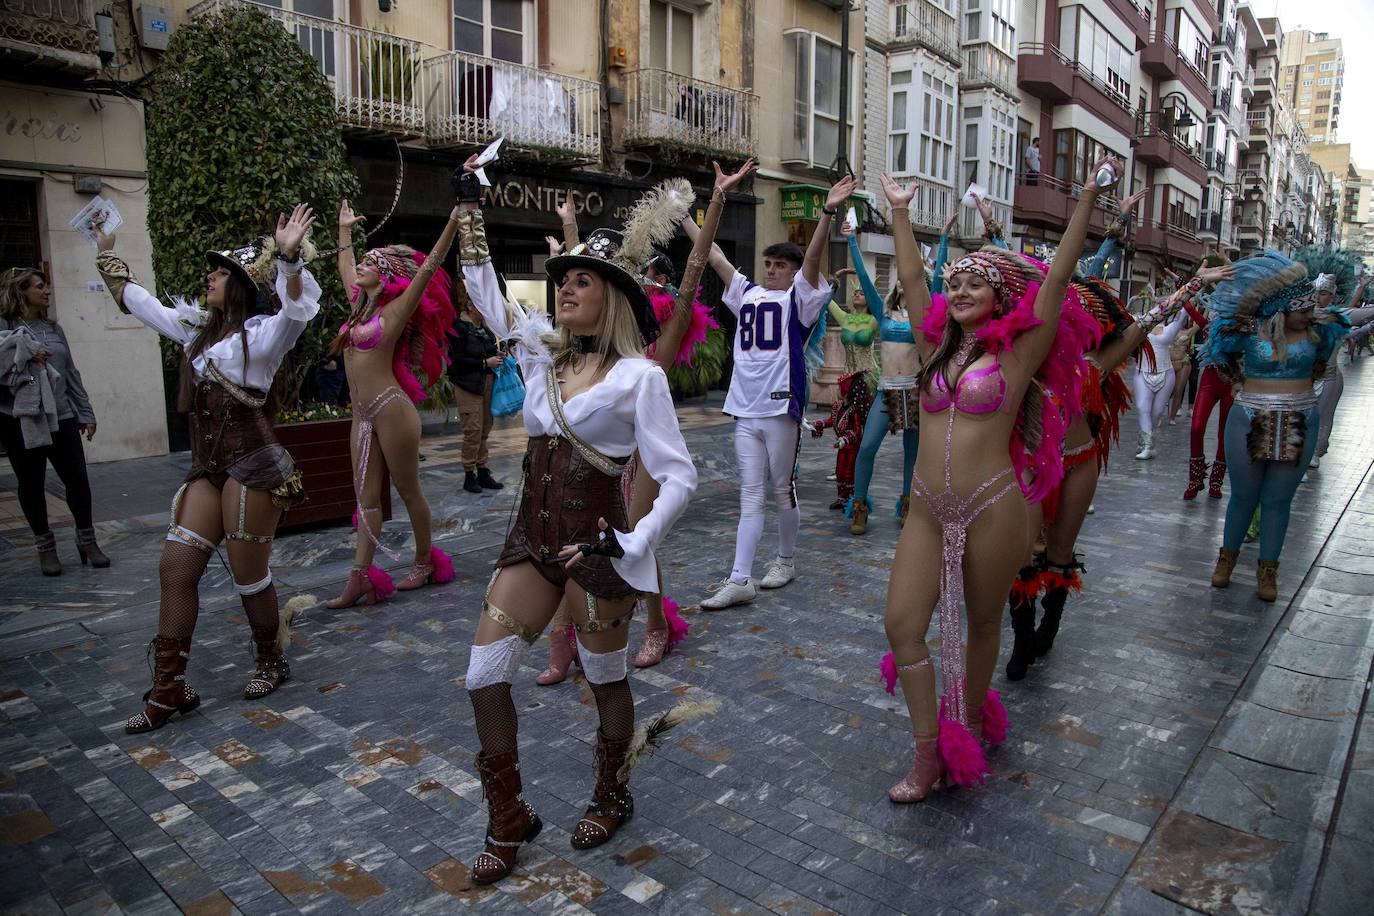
366, 334
977, 391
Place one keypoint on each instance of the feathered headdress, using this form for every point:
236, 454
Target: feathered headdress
620, 257
1338, 265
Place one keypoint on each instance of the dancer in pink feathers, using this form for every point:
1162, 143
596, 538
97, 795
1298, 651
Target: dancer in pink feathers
396, 328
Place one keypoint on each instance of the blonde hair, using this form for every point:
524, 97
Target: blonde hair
13, 282
617, 333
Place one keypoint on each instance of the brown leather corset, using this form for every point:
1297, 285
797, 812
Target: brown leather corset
231, 438
564, 496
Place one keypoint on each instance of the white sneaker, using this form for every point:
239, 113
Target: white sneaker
780, 572
1316, 462
729, 594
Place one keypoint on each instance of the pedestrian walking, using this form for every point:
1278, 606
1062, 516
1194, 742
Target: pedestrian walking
241, 478
44, 412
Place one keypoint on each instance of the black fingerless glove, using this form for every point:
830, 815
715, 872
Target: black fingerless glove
606, 545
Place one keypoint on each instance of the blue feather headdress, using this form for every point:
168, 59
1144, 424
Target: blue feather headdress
1265, 285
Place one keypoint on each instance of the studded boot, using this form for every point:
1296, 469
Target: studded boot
271, 669
612, 804
511, 822
170, 693
1197, 477
1215, 481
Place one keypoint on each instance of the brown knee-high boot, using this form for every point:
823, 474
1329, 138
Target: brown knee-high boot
511, 822
612, 804
170, 693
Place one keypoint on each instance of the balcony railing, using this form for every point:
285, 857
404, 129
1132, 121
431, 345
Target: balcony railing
472, 100
52, 34
1116, 96
376, 77
932, 204
666, 108
928, 26
984, 65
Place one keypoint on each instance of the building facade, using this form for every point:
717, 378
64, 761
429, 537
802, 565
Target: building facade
1312, 78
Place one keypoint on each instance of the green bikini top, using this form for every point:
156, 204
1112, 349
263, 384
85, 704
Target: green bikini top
858, 330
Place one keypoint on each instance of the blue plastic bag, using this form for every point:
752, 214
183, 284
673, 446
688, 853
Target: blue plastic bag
508, 394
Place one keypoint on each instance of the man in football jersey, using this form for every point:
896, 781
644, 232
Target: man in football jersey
766, 395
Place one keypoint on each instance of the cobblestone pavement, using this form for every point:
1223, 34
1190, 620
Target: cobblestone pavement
1182, 747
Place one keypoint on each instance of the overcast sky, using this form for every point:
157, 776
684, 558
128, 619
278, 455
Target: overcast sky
1352, 21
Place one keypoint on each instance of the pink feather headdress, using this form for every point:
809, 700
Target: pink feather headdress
423, 344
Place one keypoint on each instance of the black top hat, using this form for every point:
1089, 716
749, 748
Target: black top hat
600, 254
252, 263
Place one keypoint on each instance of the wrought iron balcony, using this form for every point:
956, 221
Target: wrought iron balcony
666, 109
928, 26
471, 100
50, 34
375, 76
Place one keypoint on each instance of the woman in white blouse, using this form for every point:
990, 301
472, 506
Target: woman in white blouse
591, 400
241, 478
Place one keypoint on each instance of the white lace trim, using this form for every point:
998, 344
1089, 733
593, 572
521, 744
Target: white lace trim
496, 663
602, 667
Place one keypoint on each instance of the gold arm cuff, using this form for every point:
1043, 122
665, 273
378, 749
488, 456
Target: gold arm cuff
116, 275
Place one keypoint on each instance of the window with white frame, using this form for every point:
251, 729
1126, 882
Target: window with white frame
318, 43
1081, 36
899, 134
671, 37
815, 64
1003, 25
936, 159
502, 29
1329, 65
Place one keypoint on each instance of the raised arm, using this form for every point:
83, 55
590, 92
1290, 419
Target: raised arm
717, 259
911, 267
1112, 355
567, 215
872, 298
1358, 296
1031, 348
347, 268
133, 299
399, 311
993, 230
937, 274
675, 328
839, 193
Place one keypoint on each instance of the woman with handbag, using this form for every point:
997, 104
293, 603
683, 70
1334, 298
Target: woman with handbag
473, 360
35, 431
395, 332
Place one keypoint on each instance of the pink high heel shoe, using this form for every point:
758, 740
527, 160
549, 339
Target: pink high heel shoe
927, 773
371, 583
562, 656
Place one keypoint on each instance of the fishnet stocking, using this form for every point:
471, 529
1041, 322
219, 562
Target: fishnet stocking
262, 610
616, 707
180, 571
494, 714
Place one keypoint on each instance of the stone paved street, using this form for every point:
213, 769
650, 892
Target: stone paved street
1184, 748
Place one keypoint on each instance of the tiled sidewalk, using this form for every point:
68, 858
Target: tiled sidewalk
352, 788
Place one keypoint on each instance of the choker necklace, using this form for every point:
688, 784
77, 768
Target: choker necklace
964, 355
585, 343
